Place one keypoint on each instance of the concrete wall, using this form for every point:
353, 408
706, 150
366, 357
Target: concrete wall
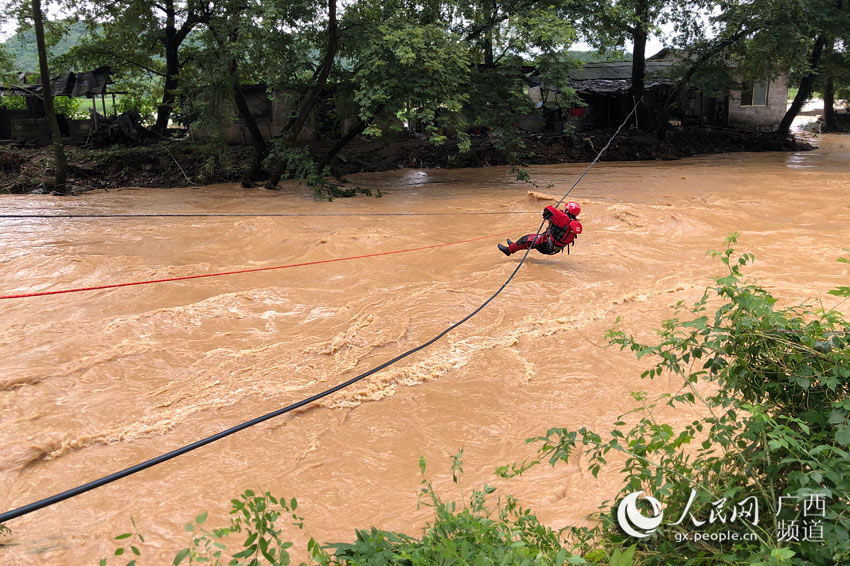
6, 118
31, 131
329, 119
35, 131
762, 117
78, 130
237, 133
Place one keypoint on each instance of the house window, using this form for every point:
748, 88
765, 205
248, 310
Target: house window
754, 94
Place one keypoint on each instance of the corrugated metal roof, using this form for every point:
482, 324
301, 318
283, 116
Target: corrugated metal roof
617, 70
67, 84
614, 77
611, 86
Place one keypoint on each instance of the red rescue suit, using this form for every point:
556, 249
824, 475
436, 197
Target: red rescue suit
561, 232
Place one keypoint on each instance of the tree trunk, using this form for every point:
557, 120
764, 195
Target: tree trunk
639, 68
488, 36
172, 70
257, 139
163, 111
805, 91
355, 131
330, 55
235, 89
639, 37
358, 129
830, 123
310, 102
61, 165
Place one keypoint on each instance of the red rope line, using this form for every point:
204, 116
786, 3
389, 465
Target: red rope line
253, 270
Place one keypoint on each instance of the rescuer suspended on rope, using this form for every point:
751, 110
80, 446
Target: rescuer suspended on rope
561, 232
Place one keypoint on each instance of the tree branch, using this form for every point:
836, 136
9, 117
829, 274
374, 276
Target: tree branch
129, 61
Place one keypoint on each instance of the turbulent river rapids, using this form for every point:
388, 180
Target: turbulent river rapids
93, 382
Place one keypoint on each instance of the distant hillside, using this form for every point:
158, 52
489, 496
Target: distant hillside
24, 53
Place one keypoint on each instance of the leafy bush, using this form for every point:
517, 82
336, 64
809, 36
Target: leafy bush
129, 542
471, 534
255, 516
773, 384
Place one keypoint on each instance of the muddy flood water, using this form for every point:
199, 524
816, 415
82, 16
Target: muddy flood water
93, 382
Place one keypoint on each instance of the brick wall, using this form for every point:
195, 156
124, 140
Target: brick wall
79, 130
762, 117
31, 130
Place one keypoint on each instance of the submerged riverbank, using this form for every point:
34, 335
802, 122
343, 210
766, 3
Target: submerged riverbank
185, 163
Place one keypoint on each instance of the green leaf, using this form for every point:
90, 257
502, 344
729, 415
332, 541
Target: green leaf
842, 435
782, 554
247, 552
250, 540
180, 556
123, 536
623, 558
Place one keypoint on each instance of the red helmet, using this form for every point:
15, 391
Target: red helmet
575, 226
573, 208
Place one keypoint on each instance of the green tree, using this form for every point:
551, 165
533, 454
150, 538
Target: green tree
521, 41
251, 42
805, 41
747, 30
438, 66
224, 29
835, 76
147, 35
288, 136
611, 24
